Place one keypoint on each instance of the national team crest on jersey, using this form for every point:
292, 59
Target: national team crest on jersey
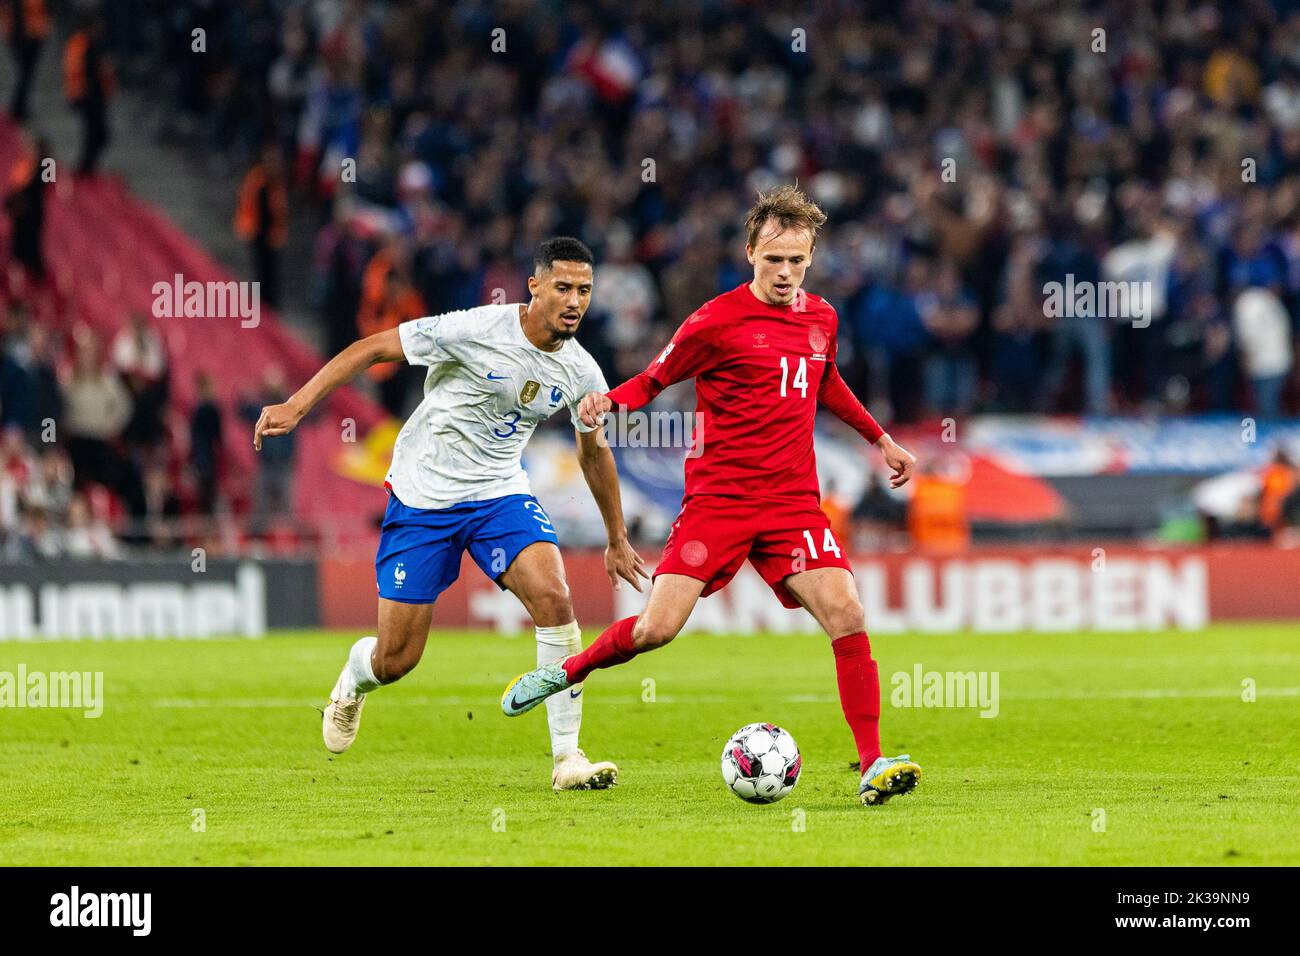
529, 391
817, 340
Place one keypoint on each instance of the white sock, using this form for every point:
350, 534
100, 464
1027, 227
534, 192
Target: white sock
358, 676
563, 710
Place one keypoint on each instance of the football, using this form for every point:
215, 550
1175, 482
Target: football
761, 763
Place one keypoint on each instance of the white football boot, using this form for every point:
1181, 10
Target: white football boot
575, 772
888, 777
342, 719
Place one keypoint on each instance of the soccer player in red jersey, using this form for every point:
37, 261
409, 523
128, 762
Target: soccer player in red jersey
763, 357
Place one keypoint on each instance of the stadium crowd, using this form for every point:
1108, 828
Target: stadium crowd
967, 154
1146, 142
91, 450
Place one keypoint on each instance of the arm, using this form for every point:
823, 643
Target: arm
601, 474
635, 392
689, 354
281, 419
839, 398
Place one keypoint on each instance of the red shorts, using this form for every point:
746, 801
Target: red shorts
714, 534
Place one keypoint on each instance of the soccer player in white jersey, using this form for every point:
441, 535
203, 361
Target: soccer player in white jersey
456, 484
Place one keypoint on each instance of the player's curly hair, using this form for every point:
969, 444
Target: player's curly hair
790, 207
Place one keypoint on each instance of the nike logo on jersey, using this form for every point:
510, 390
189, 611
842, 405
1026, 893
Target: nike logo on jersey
497, 378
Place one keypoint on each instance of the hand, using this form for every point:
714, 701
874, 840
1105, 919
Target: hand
593, 407
275, 420
623, 562
898, 458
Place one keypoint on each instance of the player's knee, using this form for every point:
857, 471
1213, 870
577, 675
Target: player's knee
648, 634
848, 618
552, 606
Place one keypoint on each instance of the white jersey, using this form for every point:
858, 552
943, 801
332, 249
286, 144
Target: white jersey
486, 390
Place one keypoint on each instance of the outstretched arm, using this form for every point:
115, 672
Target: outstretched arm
631, 395
601, 473
281, 419
689, 354
836, 395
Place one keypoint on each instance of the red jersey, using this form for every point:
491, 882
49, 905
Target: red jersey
759, 371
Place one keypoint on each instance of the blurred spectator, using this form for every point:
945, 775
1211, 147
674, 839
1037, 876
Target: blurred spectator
262, 220
9, 512
25, 204
85, 536
89, 84
1082, 330
140, 357
29, 388
290, 77
330, 127
1263, 337
205, 444
936, 514
340, 256
891, 327
17, 468
54, 482
951, 317
1018, 323
97, 408
877, 515
628, 297
25, 24
274, 492
387, 299
162, 507
34, 538
1198, 337
1280, 479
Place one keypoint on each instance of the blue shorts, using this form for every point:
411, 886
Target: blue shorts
420, 550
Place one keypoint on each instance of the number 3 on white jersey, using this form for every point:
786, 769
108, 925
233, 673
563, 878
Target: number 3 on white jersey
800, 377
828, 544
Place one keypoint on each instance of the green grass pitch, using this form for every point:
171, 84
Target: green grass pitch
1108, 750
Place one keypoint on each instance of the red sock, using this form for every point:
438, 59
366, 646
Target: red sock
859, 693
614, 646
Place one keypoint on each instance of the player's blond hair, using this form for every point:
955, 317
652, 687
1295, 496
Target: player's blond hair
790, 207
